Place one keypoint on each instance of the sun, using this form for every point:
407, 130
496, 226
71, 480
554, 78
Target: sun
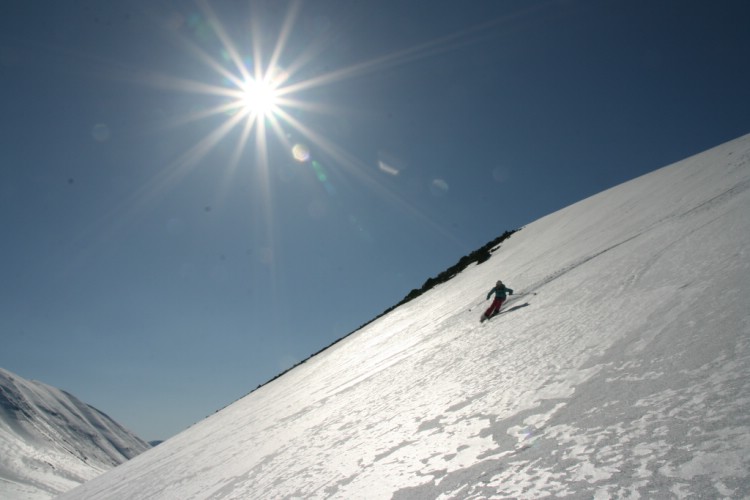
259, 97
263, 100
264, 105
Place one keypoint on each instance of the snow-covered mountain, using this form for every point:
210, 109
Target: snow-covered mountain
51, 442
620, 369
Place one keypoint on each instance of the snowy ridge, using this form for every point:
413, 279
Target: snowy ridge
626, 376
51, 442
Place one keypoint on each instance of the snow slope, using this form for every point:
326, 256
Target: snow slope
627, 375
51, 442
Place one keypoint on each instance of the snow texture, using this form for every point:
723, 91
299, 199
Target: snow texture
51, 442
626, 376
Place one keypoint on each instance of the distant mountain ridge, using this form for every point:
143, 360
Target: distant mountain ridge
50, 441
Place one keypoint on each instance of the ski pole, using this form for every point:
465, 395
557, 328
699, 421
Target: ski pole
477, 304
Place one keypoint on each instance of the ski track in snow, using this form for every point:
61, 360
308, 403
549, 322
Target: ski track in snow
625, 377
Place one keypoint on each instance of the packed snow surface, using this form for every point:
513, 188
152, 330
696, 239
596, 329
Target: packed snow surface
51, 442
621, 368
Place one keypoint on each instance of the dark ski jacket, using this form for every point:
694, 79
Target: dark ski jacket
500, 292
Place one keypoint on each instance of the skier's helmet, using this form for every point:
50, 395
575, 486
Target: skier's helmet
499, 283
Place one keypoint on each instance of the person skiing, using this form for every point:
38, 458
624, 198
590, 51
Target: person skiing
501, 293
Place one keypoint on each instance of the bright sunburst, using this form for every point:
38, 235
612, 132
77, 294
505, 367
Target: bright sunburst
257, 94
262, 101
259, 97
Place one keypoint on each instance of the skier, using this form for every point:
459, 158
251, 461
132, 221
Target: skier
500, 292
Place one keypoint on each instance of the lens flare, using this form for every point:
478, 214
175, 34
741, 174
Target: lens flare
500, 174
322, 176
100, 132
301, 153
260, 105
439, 187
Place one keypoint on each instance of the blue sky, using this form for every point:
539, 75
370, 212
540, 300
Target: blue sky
159, 263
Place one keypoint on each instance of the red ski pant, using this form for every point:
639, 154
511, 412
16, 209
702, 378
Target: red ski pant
495, 307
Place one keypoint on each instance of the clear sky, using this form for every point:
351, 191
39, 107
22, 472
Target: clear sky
171, 241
